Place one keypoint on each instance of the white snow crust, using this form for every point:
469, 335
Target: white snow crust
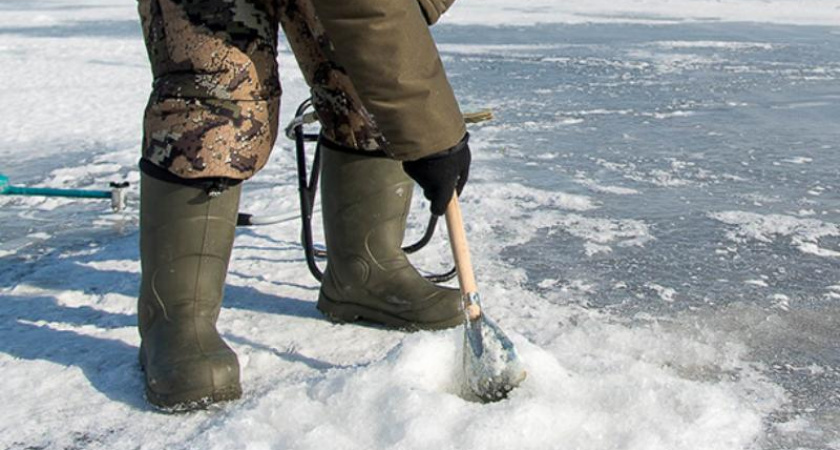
804, 234
505, 12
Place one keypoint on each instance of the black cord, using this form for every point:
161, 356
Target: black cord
308, 186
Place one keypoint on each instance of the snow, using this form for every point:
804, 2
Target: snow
595, 186
665, 294
503, 12
804, 234
653, 218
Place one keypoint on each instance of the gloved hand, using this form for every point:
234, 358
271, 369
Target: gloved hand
441, 174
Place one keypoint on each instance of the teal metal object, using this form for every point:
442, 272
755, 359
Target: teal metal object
116, 194
8, 189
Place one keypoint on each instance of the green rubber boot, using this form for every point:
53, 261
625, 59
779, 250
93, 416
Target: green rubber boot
365, 202
186, 237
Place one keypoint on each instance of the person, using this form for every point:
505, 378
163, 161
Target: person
387, 111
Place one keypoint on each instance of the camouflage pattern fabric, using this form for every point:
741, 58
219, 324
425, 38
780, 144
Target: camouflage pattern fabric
344, 119
214, 106
213, 111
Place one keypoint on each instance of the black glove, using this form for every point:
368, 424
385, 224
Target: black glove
441, 174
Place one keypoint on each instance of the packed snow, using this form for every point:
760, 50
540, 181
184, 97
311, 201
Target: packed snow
505, 12
653, 215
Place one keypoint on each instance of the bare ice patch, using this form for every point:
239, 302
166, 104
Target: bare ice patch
717, 45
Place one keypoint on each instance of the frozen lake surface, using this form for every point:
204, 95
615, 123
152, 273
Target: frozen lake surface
712, 154
655, 216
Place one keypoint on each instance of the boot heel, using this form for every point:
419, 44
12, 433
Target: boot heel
192, 400
336, 312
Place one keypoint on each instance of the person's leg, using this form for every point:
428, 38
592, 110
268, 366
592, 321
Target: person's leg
388, 52
213, 110
210, 123
381, 53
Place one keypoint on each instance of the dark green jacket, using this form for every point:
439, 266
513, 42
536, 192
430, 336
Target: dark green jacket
388, 52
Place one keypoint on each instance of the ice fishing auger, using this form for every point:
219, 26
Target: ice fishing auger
117, 194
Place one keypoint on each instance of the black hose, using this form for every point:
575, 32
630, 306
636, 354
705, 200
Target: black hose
308, 187
307, 198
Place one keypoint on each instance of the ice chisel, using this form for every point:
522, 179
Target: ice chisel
492, 367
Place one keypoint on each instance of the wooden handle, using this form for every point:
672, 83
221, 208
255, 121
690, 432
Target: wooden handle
461, 254
478, 116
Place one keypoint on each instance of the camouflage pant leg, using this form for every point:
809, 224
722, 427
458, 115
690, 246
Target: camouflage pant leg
214, 107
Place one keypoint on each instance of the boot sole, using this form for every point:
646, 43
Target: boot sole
192, 400
346, 312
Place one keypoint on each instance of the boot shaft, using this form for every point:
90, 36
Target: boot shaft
365, 204
186, 238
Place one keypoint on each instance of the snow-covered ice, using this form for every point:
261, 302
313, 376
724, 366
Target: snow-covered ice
654, 217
